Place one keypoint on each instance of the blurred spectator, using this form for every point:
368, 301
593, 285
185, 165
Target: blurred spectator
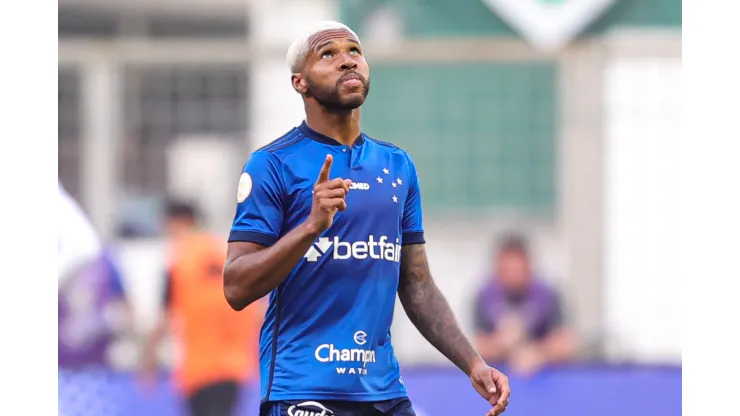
91, 307
92, 311
518, 318
219, 345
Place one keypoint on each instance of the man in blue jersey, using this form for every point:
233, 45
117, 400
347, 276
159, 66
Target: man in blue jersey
329, 223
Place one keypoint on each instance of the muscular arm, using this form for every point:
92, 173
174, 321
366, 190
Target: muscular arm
429, 311
253, 270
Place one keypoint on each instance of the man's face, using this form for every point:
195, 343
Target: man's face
513, 270
335, 71
177, 226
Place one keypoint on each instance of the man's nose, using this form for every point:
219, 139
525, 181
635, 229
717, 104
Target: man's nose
348, 64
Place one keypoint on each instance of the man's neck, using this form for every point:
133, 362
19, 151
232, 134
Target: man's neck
343, 127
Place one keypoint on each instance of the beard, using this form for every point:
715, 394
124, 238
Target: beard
330, 97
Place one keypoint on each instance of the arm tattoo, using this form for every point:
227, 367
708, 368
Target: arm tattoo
429, 311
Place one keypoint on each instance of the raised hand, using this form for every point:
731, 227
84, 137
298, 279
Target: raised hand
329, 197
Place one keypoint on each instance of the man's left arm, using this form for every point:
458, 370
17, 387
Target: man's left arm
429, 311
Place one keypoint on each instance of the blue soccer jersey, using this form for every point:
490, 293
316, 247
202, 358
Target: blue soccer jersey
327, 329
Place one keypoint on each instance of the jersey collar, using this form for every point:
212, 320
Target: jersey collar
315, 135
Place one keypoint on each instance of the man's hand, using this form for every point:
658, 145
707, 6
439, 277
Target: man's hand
329, 197
430, 313
492, 385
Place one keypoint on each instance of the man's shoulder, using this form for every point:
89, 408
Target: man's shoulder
382, 143
487, 291
283, 145
388, 146
544, 290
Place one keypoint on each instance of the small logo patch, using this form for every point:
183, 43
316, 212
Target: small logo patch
245, 187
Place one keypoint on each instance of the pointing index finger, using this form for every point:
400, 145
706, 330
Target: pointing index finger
324, 172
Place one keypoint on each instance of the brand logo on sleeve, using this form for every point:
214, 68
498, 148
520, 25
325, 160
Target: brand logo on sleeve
244, 188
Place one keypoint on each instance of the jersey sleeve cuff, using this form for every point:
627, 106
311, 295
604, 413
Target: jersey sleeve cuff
414, 237
252, 237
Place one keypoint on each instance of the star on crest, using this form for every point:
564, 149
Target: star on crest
379, 179
386, 171
395, 199
393, 184
399, 181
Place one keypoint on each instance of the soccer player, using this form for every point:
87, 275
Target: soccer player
329, 223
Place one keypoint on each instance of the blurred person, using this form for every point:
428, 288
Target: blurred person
518, 317
329, 223
91, 307
93, 310
219, 346
94, 314
78, 243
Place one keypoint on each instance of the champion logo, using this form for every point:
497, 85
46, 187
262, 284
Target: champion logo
360, 337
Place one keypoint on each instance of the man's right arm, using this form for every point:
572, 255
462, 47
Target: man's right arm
253, 270
257, 260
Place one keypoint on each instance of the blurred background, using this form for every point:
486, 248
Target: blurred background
539, 129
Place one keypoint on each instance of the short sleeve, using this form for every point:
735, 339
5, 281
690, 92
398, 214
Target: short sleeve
259, 209
412, 224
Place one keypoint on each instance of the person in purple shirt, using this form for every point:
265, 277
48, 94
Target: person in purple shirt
93, 313
88, 303
518, 317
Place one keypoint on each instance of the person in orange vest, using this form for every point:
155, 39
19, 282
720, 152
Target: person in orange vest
218, 347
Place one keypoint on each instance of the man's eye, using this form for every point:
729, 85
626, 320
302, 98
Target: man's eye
355, 51
326, 54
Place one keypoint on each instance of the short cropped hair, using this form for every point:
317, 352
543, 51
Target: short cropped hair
175, 208
299, 48
513, 243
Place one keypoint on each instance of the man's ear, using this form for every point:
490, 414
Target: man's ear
299, 83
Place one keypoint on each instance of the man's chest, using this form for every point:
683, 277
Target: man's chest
378, 191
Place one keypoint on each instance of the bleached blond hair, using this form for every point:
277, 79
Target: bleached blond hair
300, 47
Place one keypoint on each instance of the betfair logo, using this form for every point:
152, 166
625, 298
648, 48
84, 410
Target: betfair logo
380, 249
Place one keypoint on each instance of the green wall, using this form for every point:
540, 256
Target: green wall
482, 135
